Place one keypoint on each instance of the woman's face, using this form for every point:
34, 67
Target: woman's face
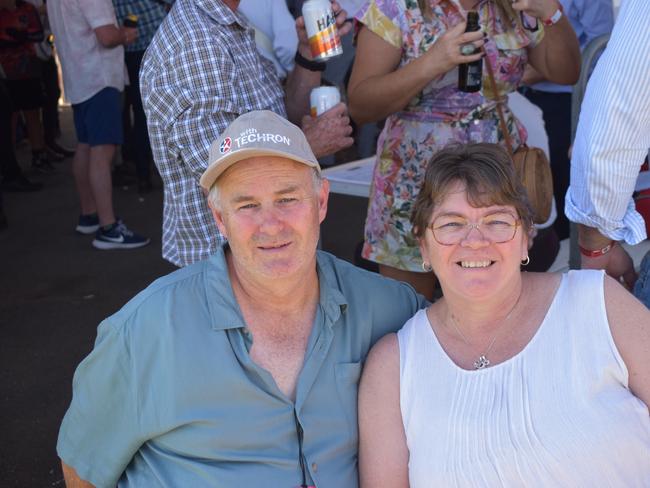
475, 267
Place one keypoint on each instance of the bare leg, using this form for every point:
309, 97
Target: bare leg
80, 163
424, 283
99, 175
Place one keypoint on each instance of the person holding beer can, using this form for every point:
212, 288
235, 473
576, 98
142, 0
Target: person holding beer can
200, 72
407, 57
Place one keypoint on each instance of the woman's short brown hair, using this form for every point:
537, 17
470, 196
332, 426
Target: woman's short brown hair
489, 177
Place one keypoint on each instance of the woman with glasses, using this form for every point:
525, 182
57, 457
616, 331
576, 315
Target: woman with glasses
511, 379
406, 70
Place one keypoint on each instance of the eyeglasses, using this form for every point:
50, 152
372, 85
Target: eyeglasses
496, 228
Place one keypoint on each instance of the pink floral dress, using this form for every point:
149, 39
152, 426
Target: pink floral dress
437, 116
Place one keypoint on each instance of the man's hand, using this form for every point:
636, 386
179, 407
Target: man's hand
617, 263
111, 35
341, 23
329, 132
130, 34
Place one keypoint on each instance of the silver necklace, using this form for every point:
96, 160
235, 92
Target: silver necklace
483, 361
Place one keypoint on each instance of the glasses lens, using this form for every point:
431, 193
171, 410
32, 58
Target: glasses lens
449, 229
497, 228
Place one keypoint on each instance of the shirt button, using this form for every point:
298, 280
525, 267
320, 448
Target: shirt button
314, 467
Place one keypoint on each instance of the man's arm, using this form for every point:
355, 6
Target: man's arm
329, 132
612, 139
72, 479
301, 80
112, 36
615, 260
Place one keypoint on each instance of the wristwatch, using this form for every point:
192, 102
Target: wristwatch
555, 18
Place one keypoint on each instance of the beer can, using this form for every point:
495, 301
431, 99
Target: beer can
322, 99
320, 23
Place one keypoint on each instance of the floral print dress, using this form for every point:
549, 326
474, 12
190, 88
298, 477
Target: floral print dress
437, 116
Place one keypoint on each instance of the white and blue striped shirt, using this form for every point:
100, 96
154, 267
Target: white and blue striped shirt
614, 131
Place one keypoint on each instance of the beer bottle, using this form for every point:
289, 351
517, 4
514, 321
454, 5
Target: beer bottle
131, 20
470, 74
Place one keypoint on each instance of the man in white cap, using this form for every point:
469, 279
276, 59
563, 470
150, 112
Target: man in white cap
240, 370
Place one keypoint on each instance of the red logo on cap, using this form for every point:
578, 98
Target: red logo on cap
225, 145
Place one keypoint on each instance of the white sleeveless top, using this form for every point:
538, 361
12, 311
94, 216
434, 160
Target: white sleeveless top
557, 414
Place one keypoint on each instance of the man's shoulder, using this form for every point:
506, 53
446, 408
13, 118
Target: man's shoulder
357, 282
185, 38
186, 27
183, 287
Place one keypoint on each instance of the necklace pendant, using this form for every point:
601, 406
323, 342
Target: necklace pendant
481, 363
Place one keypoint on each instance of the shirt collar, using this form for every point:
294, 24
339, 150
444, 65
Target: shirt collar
221, 13
224, 309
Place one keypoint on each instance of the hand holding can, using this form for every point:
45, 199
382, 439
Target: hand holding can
320, 24
322, 99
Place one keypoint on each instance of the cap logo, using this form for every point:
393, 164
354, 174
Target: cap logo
225, 145
252, 135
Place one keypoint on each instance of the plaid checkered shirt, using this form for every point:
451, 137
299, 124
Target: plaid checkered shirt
201, 71
150, 14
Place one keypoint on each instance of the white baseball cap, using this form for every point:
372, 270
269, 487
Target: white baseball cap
257, 133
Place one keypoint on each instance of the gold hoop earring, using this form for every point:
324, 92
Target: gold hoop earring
526, 261
426, 267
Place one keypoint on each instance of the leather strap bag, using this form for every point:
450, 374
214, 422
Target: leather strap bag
531, 163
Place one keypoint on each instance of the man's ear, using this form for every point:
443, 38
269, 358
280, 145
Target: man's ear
218, 218
323, 198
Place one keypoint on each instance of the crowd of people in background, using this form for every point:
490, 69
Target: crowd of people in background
189, 82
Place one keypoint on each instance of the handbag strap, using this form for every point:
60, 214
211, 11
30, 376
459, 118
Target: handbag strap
499, 101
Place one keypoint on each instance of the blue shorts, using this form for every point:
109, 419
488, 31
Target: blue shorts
98, 120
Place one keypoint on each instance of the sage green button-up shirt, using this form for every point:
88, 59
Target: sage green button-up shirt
170, 396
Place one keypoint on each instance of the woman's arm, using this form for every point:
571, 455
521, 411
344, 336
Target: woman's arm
557, 57
629, 321
383, 455
378, 88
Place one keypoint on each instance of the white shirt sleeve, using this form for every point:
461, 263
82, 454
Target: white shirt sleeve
285, 37
613, 133
98, 12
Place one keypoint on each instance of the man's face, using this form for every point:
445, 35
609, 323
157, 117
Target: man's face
270, 212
